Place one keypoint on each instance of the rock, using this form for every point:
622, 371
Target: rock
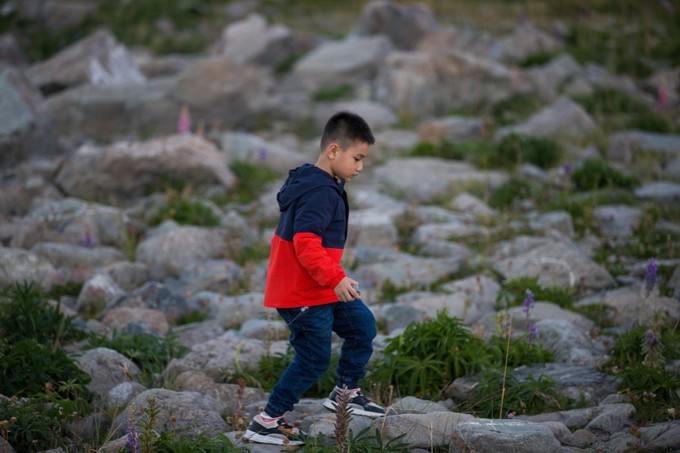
418, 84
98, 293
404, 24
525, 40
557, 264
182, 413
223, 276
571, 344
664, 192
156, 296
468, 203
120, 395
267, 329
26, 122
573, 381
77, 263
582, 438
617, 221
377, 115
509, 436
110, 113
73, 221
251, 40
371, 227
137, 321
10, 50
390, 143
431, 430
127, 169
127, 275
168, 253
563, 119
19, 266
108, 368
97, 59
258, 151
222, 93
631, 304
338, 63
413, 405
629, 146
406, 177
197, 332
560, 430
549, 77
232, 396
551, 222
454, 129
407, 271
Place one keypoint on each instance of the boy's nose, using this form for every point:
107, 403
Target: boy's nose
360, 166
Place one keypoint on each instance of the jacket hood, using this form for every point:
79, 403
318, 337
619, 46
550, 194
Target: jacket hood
303, 179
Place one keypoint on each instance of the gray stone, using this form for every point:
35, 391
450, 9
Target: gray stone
617, 221
337, 63
582, 438
156, 296
98, 293
108, 368
376, 114
120, 395
453, 129
264, 329
197, 332
563, 119
26, 127
503, 436
664, 192
258, 151
136, 321
404, 24
77, 262
125, 170
571, 344
525, 40
430, 430
18, 265
413, 405
630, 146
183, 413
371, 227
212, 275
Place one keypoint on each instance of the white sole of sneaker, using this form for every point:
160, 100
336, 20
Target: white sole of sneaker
331, 406
252, 436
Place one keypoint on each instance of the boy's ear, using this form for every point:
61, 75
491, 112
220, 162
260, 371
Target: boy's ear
332, 150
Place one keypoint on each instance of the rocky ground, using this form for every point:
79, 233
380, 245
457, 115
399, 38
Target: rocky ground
90, 136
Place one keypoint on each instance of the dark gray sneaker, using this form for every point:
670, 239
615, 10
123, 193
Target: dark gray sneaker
275, 432
358, 404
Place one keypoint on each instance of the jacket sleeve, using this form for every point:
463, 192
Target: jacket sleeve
314, 212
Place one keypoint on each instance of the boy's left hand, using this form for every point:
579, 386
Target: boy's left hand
347, 290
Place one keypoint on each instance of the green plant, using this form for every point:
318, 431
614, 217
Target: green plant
650, 121
526, 396
368, 440
515, 149
515, 108
653, 391
536, 59
167, 443
599, 174
31, 425
25, 313
509, 192
251, 180
520, 352
333, 93
428, 355
186, 212
513, 292
149, 352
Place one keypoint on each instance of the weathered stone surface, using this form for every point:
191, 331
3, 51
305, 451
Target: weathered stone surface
108, 368
26, 122
503, 436
404, 24
127, 169
258, 151
232, 396
19, 265
77, 263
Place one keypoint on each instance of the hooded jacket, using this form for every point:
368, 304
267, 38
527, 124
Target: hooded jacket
306, 250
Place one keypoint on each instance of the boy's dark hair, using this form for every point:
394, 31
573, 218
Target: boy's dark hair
345, 129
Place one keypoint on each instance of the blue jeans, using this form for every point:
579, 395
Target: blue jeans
310, 335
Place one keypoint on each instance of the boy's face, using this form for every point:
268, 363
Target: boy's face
349, 163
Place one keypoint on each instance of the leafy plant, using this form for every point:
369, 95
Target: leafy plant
31, 425
598, 174
509, 192
428, 355
522, 396
513, 292
168, 443
149, 352
515, 108
366, 441
520, 352
334, 93
26, 314
515, 149
251, 180
653, 390
186, 212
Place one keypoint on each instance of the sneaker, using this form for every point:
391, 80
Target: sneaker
275, 432
358, 403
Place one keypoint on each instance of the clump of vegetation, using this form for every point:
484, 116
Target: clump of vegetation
508, 193
251, 181
598, 174
334, 93
515, 108
186, 212
428, 355
515, 149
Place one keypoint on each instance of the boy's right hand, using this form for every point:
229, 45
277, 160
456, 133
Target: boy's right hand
347, 290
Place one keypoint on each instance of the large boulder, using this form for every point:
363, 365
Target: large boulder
26, 125
404, 24
129, 169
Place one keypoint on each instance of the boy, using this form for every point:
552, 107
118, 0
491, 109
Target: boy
310, 289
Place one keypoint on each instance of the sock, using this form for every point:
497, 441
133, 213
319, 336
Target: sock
267, 418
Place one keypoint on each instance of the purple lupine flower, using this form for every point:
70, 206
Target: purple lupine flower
184, 121
650, 338
532, 330
528, 302
132, 433
87, 240
668, 5
262, 155
650, 274
567, 169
